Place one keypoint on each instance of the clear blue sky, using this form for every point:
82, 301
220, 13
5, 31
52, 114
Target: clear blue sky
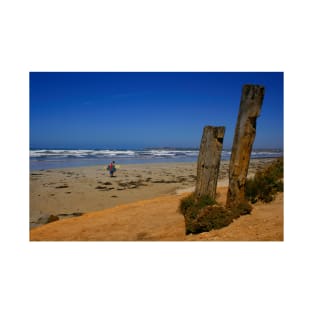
82, 110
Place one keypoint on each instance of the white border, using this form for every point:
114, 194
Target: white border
154, 36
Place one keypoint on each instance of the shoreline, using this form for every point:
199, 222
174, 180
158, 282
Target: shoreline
42, 165
70, 192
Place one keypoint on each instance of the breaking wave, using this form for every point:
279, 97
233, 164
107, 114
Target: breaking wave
57, 158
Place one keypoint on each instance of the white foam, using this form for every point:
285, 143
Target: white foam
157, 153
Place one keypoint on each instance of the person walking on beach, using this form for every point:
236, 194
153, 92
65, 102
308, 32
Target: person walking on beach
111, 168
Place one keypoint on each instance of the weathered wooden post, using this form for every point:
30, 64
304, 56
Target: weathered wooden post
250, 107
209, 161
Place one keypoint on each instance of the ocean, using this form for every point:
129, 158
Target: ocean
43, 159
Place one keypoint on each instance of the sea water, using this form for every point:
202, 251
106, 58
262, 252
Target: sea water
42, 159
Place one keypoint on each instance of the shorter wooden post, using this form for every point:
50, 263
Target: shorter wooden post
209, 160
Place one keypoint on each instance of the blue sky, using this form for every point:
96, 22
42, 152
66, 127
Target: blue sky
82, 110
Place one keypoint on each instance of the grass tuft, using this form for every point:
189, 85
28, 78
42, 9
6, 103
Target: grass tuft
204, 214
266, 183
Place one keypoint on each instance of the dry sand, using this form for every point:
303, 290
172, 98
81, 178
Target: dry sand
140, 203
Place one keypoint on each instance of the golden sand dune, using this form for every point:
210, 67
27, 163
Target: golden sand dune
159, 219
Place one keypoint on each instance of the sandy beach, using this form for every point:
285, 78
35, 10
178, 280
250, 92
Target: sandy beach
139, 203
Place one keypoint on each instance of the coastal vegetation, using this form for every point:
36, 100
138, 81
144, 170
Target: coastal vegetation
203, 214
266, 183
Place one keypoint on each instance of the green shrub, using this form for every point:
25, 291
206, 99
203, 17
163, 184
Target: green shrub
187, 203
193, 201
208, 218
243, 208
204, 214
266, 183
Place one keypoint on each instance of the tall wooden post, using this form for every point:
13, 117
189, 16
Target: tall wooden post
209, 161
250, 107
